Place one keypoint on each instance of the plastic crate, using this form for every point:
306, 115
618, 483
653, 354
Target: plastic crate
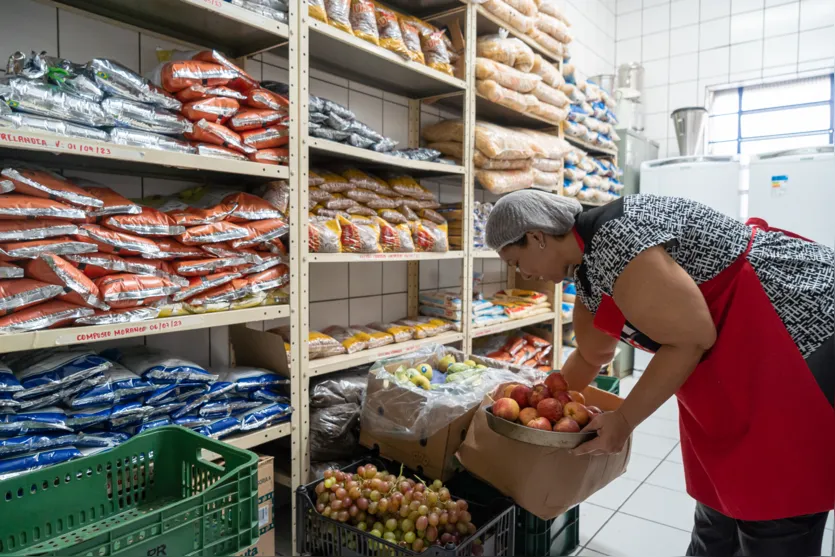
607, 383
319, 535
153, 495
535, 537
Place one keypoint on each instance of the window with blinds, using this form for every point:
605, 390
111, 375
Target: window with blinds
772, 117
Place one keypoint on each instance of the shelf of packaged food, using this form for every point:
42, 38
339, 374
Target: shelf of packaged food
85, 154
215, 24
250, 439
345, 361
345, 55
489, 24
490, 111
80, 335
366, 257
589, 148
322, 149
479, 332
485, 254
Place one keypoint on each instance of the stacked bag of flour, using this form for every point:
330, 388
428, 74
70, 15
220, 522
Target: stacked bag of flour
542, 20
409, 37
357, 212
88, 256
60, 404
510, 74
590, 179
231, 116
506, 159
448, 305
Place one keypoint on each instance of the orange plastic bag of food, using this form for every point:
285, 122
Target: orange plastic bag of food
96, 265
196, 285
20, 230
212, 233
324, 235
195, 216
262, 231
276, 277
217, 151
360, 235
203, 267
18, 294
388, 28
217, 134
14, 207
364, 21
171, 249
120, 243
149, 222
275, 246
255, 118
10, 271
278, 156
48, 185
411, 38
155, 267
62, 245
113, 203
339, 14
249, 207
266, 138
43, 316
197, 92
241, 82
176, 76
53, 269
224, 249
214, 109
265, 99
125, 290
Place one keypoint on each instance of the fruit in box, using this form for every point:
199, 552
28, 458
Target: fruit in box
506, 408
425, 370
506, 392
539, 393
567, 425
556, 383
563, 397
577, 397
577, 412
540, 423
551, 409
445, 362
527, 414
520, 394
458, 367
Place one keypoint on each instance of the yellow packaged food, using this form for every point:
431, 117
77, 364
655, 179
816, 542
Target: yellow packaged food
333, 183
393, 238
352, 341
339, 12
435, 52
367, 181
430, 237
389, 29
360, 234
321, 345
411, 38
376, 339
520, 295
401, 333
324, 235
408, 186
313, 179
364, 21
316, 9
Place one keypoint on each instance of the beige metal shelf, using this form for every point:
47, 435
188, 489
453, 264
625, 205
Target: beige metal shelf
250, 439
493, 112
81, 335
513, 324
339, 53
485, 254
367, 257
589, 148
323, 148
208, 23
84, 154
337, 363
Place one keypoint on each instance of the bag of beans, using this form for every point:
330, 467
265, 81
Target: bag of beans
52, 269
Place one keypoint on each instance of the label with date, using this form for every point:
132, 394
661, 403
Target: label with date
129, 330
69, 145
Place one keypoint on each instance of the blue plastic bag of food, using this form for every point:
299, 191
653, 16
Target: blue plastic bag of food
87, 417
269, 395
34, 443
151, 424
158, 366
228, 406
196, 401
8, 382
219, 428
176, 392
44, 371
127, 414
248, 379
34, 421
106, 439
264, 415
119, 385
165, 409
8, 404
12, 466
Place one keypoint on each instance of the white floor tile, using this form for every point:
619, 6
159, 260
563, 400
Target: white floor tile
660, 427
627, 536
669, 475
592, 519
668, 410
640, 467
583, 552
675, 456
659, 504
615, 494
827, 544
651, 445
830, 522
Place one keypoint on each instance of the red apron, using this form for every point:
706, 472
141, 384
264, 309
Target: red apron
757, 433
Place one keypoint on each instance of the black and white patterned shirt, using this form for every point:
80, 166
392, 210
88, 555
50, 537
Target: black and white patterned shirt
797, 276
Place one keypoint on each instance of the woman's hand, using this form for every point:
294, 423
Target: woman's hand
612, 433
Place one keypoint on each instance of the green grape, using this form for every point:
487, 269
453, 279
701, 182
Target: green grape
407, 525
379, 526
375, 495
389, 536
391, 524
437, 485
423, 510
462, 528
409, 537
362, 526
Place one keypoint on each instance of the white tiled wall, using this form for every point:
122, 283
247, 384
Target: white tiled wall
687, 46
593, 29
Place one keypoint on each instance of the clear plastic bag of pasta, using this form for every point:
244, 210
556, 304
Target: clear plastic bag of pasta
352, 340
435, 52
339, 14
324, 235
364, 21
549, 112
547, 71
509, 14
505, 181
505, 75
509, 51
546, 144
388, 27
553, 26
430, 237
492, 91
401, 333
360, 234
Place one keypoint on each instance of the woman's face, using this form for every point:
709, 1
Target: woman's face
542, 257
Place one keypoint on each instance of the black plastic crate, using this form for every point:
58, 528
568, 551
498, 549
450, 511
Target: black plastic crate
319, 535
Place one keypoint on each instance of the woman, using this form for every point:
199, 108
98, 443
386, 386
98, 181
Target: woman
741, 320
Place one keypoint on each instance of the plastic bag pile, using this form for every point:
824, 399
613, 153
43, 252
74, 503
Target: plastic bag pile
503, 306
591, 179
73, 252
542, 20
590, 116
273, 9
60, 404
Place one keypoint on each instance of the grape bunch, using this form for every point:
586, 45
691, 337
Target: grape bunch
411, 514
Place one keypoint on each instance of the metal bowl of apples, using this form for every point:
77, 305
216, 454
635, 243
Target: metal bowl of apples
542, 415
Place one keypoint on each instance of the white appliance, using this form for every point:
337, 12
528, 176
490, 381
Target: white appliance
720, 182
793, 190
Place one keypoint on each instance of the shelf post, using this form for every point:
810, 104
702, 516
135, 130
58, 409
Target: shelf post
467, 203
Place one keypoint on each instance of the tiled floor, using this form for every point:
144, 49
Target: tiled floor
647, 511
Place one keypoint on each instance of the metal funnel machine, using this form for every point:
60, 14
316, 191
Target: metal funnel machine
690, 125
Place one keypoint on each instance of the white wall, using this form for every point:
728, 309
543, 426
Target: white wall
688, 46
593, 29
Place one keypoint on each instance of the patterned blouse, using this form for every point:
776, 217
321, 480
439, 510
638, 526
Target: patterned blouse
797, 276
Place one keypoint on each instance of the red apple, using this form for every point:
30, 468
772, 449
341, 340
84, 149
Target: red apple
567, 425
508, 390
577, 397
540, 423
594, 411
528, 414
563, 397
556, 382
506, 408
520, 394
577, 412
539, 393
550, 408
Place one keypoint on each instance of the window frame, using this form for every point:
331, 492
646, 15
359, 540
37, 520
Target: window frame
829, 130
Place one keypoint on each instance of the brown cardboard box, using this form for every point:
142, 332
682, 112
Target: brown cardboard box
259, 349
542, 480
266, 525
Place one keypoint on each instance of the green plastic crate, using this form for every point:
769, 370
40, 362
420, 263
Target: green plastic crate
153, 495
606, 383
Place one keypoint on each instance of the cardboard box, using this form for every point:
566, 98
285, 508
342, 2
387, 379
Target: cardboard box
562, 480
266, 523
259, 349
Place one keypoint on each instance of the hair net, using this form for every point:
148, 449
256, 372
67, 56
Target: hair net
523, 211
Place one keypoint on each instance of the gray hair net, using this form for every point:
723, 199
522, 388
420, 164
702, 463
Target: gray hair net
523, 211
